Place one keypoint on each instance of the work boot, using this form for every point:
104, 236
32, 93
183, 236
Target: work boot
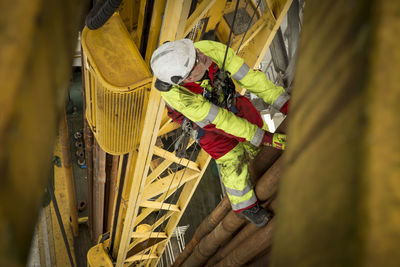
257, 215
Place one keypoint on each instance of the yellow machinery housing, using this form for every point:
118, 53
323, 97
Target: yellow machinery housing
118, 83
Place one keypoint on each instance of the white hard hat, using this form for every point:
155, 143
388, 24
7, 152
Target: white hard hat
173, 61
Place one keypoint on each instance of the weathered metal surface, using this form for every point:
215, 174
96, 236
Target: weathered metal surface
204, 228
69, 176
37, 39
338, 202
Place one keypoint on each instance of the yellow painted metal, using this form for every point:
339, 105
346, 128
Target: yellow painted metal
124, 200
159, 205
139, 30
151, 234
171, 182
129, 13
83, 220
117, 86
197, 15
98, 256
215, 14
155, 26
60, 192
168, 127
171, 156
176, 12
36, 40
266, 19
69, 176
255, 50
150, 180
157, 171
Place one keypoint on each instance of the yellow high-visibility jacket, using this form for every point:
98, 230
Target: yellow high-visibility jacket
201, 111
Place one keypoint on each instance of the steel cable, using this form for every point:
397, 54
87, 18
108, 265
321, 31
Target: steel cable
173, 198
248, 26
166, 194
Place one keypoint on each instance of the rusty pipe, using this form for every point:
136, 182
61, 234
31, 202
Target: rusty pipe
205, 227
248, 230
65, 148
99, 181
112, 189
265, 188
252, 246
88, 139
211, 242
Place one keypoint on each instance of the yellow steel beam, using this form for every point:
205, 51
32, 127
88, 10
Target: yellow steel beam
146, 212
197, 15
155, 26
168, 127
175, 14
148, 235
125, 198
140, 257
171, 157
157, 171
187, 192
141, 17
155, 225
170, 182
60, 189
215, 14
159, 205
254, 52
266, 19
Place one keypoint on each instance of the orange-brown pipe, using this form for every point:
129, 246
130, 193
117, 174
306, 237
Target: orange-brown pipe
265, 188
211, 242
205, 227
255, 244
113, 186
99, 181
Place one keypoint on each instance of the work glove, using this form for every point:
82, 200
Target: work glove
276, 140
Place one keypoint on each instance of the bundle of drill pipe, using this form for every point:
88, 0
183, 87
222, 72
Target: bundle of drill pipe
225, 238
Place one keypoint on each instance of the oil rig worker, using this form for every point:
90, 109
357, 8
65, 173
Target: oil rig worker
196, 83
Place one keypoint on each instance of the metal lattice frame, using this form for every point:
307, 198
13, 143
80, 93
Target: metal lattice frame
159, 185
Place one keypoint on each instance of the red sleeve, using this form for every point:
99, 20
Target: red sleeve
175, 115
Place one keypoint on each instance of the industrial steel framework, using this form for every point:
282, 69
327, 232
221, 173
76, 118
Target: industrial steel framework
158, 185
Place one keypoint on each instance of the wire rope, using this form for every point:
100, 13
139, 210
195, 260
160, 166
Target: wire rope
166, 194
230, 33
173, 199
248, 26
157, 217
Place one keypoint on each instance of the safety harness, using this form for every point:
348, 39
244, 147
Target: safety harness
218, 88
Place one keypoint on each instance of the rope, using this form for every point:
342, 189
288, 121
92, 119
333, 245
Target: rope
163, 201
119, 196
248, 26
173, 200
60, 222
230, 33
